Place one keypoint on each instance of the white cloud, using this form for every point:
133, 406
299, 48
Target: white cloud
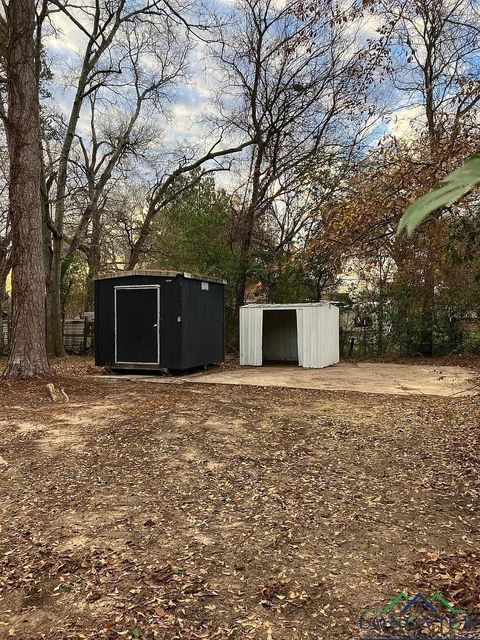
365, 28
67, 39
402, 125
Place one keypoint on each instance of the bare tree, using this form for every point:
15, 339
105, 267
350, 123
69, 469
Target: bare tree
300, 82
102, 160
134, 52
115, 143
113, 47
28, 356
166, 190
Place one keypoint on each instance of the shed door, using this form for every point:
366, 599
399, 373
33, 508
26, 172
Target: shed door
137, 313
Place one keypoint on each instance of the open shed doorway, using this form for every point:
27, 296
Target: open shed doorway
279, 339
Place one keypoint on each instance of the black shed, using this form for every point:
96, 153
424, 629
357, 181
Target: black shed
158, 320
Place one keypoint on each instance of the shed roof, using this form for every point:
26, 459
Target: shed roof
160, 274
293, 305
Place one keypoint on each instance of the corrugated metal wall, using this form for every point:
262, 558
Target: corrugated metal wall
317, 334
332, 333
320, 336
251, 329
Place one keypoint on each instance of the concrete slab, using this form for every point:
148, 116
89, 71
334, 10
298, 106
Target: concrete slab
366, 377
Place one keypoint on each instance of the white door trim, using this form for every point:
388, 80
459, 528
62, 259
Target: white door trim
137, 286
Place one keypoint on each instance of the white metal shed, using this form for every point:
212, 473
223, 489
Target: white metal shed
303, 333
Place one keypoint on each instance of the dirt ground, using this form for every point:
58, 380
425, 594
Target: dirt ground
141, 510
365, 377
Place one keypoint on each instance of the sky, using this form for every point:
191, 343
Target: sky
192, 100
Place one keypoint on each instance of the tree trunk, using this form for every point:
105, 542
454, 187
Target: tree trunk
246, 227
54, 283
426, 346
4, 269
93, 259
54, 302
381, 311
28, 354
47, 258
139, 245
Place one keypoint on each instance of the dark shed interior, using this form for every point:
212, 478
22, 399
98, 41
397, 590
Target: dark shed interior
279, 337
158, 320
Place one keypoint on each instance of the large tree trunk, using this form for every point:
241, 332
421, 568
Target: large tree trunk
246, 233
4, 269
28, 355
243, 270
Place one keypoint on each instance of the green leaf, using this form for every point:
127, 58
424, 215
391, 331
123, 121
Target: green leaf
455, 185
136, 633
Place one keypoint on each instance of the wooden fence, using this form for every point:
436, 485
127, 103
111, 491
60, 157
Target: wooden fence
78, 335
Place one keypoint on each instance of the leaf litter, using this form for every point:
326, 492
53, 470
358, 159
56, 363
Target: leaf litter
167, 511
